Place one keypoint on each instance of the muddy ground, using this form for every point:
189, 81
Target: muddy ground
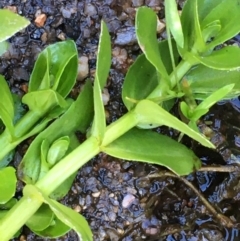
115, 196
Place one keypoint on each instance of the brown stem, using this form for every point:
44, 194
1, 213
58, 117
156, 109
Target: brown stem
219, 169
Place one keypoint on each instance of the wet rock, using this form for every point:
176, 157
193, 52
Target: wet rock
66, 13
126, 36
91, 184
128, 200
20, 74
90, 9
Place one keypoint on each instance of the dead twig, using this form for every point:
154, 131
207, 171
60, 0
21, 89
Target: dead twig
219, 169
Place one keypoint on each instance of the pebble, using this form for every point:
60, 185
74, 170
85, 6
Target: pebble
119, 56
105, 96
128, 200
83, 68
126, 36
160, 26
40, 20
66, 13
77, 208
96, 194
90, 9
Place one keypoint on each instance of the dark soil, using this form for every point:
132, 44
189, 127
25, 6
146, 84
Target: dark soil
116, 197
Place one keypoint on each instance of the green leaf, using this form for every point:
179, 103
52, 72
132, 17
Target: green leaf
204, 81
103, 66
44, 167
43, 100
211, 30
197, 114
3, 47
142, 79
148, 146
227, 13
63, 213
103, 56
56, 230
8, 205
205, 7
6, 106
77, 117
193, 39
10, 24
224, 59
7, 184
41, 219
58, 150
215, 97
185, 109
71, 218
146, 25
173, 21
150, 113
56, 68
19, 110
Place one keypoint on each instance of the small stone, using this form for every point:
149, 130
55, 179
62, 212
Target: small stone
83, 68
160, 26
44, 37
126, 36
120, 231
90, 9
38, 13
66, 13
105, 96
40, 20
77, 208
128, 200
96, 194
61, 36
22, 238
112, 216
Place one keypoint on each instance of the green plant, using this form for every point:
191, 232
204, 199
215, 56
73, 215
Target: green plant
10, 24
152, 83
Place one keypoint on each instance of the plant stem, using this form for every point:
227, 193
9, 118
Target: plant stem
119, 127
181, 69
82, 154
65, 168
17, 216
21, 128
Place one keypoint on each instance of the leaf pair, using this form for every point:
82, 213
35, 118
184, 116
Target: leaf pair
64, 217
55, 68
